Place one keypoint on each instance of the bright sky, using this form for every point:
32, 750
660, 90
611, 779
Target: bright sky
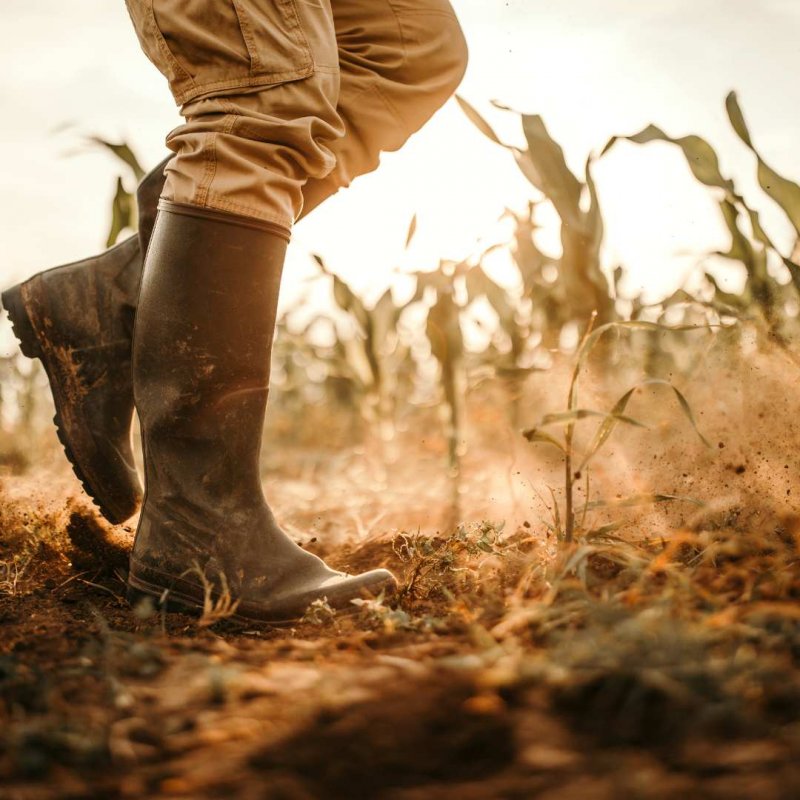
592, 68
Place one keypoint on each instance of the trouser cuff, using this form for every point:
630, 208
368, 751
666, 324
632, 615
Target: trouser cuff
224, 216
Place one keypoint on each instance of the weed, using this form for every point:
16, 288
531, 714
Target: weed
11, 572
218, 604
577, 464
319, 613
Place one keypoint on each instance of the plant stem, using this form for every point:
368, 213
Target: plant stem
569, 480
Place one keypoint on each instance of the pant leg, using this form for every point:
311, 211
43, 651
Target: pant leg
400, 60
258, 85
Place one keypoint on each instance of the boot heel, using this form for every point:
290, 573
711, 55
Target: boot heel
14, 304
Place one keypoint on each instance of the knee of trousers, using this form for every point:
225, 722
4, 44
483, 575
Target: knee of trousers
258, 87
434, 60
391, 89
252, 153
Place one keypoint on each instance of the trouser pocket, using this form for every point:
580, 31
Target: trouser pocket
208, 47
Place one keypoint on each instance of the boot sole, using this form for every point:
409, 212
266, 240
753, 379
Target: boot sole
185, 597
13, 301
174, 600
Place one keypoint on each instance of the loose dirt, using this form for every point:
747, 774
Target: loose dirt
654, 659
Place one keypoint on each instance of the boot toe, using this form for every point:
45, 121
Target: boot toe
338, 591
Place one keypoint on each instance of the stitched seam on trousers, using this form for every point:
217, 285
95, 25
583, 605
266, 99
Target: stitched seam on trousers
211, 165
400, 33
431, 12
393, 108
210, 158
266, 79
181, 74
249, 211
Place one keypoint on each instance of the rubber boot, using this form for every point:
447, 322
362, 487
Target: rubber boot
78, 320
201, 364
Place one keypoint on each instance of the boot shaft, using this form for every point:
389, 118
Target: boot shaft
201, 357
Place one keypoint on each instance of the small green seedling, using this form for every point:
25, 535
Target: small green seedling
576, 464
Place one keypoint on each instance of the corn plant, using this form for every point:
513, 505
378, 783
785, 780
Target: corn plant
576, 462
124, 213
446, 339
368, 351
581, 287
754, 248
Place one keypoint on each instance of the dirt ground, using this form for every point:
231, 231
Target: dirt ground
656, 657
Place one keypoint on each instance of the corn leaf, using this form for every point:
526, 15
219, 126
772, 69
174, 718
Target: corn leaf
537, 435
605, 532
412, 229
556, 513
124, 153
635, 324
576, 414
122, 213
556, 180
784, 192
741, 248
699, 154
479, 284
479, 122
607, 426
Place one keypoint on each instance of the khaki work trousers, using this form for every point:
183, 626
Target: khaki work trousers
286, 101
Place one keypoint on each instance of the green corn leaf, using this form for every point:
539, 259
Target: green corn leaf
741, 249
607, 426
576, 414
699, 154
124, 153
784, 192
556, 514
556, 180
634, 324
122, 213
537, 435
684, 405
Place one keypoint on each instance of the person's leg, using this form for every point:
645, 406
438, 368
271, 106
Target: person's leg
259, 85
201, 364
400, 60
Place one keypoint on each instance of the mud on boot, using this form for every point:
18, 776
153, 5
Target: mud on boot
77, 320
201, 366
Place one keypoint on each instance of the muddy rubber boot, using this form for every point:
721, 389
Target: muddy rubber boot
78, 320
201, 364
